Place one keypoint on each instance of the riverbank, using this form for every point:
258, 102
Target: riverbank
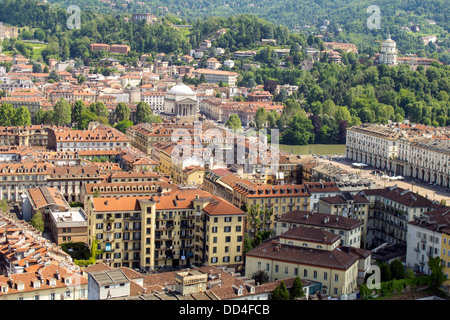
315, 149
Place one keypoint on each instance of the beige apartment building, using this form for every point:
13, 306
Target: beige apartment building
313, 255
351, 206
187, 226
348, 229
217, 76
391, 210
279, 198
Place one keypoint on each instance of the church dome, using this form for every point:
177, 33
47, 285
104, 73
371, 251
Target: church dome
181, 89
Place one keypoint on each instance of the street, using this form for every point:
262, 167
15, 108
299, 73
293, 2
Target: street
422, 188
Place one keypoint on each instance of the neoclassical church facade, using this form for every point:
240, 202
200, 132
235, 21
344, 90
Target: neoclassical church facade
181, 102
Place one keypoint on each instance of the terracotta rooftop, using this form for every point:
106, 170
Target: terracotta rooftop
336, 259
318, 219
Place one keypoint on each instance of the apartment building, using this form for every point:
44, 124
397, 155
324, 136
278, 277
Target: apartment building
414, 151
16, 178
390, 211
100, 138
344, 47
125, 189
445, 255
52, 282
70, 180
213, 63
348, 205
155, 99
147, 17
187, 226
373, 145
319, 190
312, 254
217, 76
33, 104
425, 239
348, 229
280, 198
259, 96
246, 111
35, 135
144, 135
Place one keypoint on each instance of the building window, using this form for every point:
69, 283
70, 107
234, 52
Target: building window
227, 239
305, 273
336, 277
214, 230
276, 268
315, 275
325, 276
227, 229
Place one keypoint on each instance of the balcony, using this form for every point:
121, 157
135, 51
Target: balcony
108, 219
136, 217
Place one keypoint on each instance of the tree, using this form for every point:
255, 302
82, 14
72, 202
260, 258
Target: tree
397, 269
299, 131
234, 122
78, 108
270, 85
142, 111
62, 113
342, 131
54, 76
22, 117
122, 125
37, 221
6, 114
152, 118
280, 292
297, 289
260, 118
385, 272
37, 68
282, 96
122, 112
99, 109
260, 276
247, 243
257, 218
437, 276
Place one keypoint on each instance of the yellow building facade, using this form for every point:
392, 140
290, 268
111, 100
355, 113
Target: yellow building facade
184, 227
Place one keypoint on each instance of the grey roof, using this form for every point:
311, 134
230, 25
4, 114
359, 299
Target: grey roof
109, 277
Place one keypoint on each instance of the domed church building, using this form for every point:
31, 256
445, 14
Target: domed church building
389, 52
181, 102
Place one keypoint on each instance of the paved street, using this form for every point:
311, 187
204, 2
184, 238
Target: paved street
424, 189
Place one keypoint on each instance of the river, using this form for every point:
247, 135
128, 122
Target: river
317, 149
